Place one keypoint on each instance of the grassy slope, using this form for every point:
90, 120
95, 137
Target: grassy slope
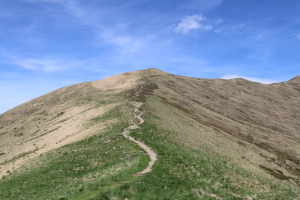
79, 170
184, 172
50, 121
191, 164
255, 124
93, 169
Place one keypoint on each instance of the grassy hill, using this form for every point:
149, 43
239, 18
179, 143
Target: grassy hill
215, 139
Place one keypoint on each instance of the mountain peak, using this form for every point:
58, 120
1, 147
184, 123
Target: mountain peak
126, 80
152, 72
295, 79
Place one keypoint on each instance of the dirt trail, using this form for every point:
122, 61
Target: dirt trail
137, 115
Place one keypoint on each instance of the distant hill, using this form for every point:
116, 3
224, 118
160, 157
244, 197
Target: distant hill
214, 138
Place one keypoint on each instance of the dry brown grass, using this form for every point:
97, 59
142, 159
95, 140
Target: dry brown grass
256, 124
51, 121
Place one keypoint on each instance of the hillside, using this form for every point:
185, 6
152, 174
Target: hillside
214, 139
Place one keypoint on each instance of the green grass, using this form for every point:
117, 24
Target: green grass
102, 167
185, 173
112, 114
82, 168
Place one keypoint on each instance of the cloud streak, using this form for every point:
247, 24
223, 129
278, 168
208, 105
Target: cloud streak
192, 23
113, 35
47, 64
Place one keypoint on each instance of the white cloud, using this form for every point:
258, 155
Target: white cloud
253, 79
26, 65
47, 64
298, 37
190, 23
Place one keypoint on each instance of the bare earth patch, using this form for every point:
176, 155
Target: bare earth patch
118, 82
65, 129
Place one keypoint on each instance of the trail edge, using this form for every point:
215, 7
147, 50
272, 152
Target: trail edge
137, 115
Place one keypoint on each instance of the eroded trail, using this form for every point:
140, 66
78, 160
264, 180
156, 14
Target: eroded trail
137, 115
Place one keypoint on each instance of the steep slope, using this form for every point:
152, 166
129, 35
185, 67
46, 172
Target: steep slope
262, 121
214, 139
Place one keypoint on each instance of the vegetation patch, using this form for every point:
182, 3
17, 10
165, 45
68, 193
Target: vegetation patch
81, 168
113, 113
59, 114
179, 107
185, 173
276, 173
250, 138
47, 132
297, 171
142, 90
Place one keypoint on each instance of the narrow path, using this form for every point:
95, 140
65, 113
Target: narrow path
137, 115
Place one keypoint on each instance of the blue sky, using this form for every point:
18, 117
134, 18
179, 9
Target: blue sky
48, 44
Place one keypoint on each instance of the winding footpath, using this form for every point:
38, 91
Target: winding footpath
137, 115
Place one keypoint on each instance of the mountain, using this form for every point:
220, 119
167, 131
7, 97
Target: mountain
214, 139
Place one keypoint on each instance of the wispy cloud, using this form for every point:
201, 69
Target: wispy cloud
119, 37
26, 65
113, 35
123, 42
254, 79
192, 23
298, 37
47, 64
227, 28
